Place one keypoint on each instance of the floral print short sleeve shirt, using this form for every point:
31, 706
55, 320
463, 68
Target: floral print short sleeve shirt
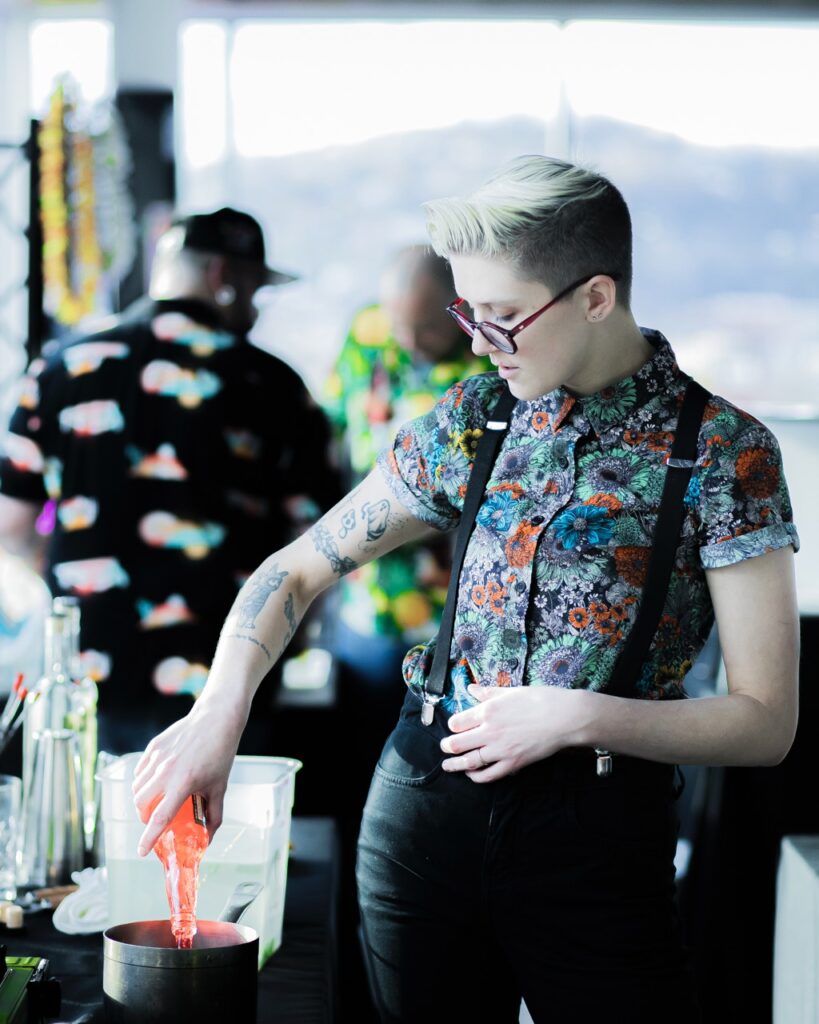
555, 567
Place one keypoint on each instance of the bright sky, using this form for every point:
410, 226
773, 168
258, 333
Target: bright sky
203, 76
82, 47
718, 85
300, 86
304, 86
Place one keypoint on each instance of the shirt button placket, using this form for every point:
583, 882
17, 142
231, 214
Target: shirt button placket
519, 608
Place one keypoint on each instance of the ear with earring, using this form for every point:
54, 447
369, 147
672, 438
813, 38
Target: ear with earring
225, 295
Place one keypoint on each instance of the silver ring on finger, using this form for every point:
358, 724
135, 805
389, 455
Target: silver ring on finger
483, 764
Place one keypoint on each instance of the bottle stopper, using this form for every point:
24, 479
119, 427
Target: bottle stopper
4, 906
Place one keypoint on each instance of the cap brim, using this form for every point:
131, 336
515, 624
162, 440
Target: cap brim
274, 277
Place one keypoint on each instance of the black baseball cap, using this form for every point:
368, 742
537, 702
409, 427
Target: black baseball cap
230, 233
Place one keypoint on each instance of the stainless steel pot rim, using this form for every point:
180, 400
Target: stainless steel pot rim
119, 945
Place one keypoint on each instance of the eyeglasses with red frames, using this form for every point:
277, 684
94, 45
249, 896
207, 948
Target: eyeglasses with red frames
499, 337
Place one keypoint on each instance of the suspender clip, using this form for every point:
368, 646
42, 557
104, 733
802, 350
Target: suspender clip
605, 764
428, 708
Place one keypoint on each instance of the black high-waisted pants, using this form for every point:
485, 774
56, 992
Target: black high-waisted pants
552, 885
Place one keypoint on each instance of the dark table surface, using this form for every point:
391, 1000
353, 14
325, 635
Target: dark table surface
297, 985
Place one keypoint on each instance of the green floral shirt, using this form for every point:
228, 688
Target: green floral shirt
374, 388
555, 567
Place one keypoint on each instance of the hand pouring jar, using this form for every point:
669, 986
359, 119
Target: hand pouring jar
252, 845
147, 980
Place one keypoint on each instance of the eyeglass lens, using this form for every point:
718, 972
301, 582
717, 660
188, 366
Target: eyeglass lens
494, 337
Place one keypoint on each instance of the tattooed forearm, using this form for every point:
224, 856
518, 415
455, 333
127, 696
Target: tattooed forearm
323, 541
290, 615
264, 582
376, 516
251, 639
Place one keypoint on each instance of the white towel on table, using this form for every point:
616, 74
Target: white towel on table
86, 910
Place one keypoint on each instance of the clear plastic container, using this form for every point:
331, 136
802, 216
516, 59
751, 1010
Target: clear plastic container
252, 845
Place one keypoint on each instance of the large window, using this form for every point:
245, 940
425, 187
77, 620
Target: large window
80, 47
707, 128
334, 133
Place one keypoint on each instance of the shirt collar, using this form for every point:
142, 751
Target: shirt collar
195, 309
617, 401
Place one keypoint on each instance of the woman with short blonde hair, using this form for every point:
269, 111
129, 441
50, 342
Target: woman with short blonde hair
519, 833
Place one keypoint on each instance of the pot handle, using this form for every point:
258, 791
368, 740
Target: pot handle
239, 900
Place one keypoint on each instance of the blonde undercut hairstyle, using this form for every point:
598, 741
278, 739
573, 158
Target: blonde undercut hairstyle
553, 221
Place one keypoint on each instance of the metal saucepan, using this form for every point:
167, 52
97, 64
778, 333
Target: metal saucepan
146, 979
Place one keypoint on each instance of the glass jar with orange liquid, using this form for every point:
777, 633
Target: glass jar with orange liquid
180, 849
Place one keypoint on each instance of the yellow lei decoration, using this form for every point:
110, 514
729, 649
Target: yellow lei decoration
72, 260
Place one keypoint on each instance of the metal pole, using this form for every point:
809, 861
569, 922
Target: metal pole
34, 233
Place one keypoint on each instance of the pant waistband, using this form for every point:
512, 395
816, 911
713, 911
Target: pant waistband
581, 763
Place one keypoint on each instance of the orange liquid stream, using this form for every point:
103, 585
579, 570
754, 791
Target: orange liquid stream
180, 849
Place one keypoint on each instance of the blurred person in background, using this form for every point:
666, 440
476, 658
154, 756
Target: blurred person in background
399, 358
166, 455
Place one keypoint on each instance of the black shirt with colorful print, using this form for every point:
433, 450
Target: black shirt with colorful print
172, 458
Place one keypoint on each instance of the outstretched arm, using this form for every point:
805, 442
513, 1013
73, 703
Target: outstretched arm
195, 754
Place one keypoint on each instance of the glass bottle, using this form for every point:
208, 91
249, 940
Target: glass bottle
180, 849
83, 714
49, 704
47, 709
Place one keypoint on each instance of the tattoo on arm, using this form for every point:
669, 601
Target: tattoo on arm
377, 516
323, 541
263, 583
250, 639
290, 615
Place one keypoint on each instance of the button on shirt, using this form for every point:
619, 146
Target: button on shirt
555, 567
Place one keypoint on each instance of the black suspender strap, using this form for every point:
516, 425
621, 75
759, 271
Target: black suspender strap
494, 432
666, 538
